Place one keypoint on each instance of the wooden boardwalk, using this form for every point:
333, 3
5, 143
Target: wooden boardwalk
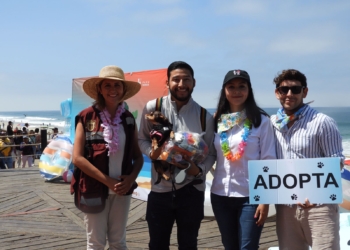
35, 214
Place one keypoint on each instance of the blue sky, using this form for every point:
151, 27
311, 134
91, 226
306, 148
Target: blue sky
45, 44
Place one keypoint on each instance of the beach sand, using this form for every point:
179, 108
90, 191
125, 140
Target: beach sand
146, 185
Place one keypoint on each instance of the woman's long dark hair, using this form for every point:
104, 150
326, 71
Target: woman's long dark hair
253, 111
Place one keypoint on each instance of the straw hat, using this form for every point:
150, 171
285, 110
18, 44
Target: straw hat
90, 86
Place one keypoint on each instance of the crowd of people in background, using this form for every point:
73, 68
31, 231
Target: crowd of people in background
19, 147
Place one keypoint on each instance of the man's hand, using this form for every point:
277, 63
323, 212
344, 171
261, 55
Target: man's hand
307, 204
181, 166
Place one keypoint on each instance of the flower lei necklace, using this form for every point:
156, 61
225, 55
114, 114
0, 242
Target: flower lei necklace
227, 122
110, 132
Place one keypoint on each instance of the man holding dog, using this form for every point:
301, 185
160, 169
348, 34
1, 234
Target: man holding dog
302, 132
168, 201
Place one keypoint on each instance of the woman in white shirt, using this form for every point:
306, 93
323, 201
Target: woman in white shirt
243, 133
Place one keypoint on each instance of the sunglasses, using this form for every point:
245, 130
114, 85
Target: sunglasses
295, 89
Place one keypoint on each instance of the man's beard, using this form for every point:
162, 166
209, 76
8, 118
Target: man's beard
181, 99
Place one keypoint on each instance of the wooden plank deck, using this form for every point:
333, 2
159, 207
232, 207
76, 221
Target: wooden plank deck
35, 214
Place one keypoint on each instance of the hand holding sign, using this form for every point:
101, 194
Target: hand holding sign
307, 204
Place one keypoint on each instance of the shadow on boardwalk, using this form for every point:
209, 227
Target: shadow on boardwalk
35, 214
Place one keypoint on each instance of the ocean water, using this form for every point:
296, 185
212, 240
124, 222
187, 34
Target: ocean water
35, 119
54, 118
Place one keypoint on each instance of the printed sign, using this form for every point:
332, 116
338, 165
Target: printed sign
292, 181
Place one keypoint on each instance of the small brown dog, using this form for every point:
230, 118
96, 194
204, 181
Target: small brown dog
161, 132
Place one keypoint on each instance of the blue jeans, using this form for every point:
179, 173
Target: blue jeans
186, 208
237, 225
8, 162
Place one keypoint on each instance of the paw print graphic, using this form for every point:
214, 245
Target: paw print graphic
320, 164
333, 197
257, 198
265, 169
294, 197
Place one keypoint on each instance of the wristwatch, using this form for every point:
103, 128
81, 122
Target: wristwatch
200, 174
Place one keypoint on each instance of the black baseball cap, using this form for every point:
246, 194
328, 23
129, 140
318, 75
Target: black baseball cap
236, 73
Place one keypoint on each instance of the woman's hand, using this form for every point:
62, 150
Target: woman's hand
111, 182
261, 213
123, 185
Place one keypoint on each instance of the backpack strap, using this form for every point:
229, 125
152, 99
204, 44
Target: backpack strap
203, 119
159, 104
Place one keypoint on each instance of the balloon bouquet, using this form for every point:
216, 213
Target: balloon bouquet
185, 143
56, 160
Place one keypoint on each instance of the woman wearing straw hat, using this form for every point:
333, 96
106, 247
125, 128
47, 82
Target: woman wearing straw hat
107, 153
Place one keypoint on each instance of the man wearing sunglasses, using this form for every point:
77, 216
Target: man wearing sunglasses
302, 132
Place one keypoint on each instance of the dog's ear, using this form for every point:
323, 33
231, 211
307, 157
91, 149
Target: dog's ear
150, 114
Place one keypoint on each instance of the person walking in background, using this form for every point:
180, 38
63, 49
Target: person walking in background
37, 140
301, 133
25, 128
114, 159
18, 151
27, 152
9, 128
169, 202
54, 133
31, 136
6, 151
243, 132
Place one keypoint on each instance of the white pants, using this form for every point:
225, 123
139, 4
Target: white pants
111, 222
18, 158
25, 159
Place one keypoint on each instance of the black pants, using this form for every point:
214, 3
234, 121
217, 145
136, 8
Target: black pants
2, 165
186, 208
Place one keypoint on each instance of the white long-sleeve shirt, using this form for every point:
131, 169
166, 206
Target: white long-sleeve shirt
187, 119
231, 177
